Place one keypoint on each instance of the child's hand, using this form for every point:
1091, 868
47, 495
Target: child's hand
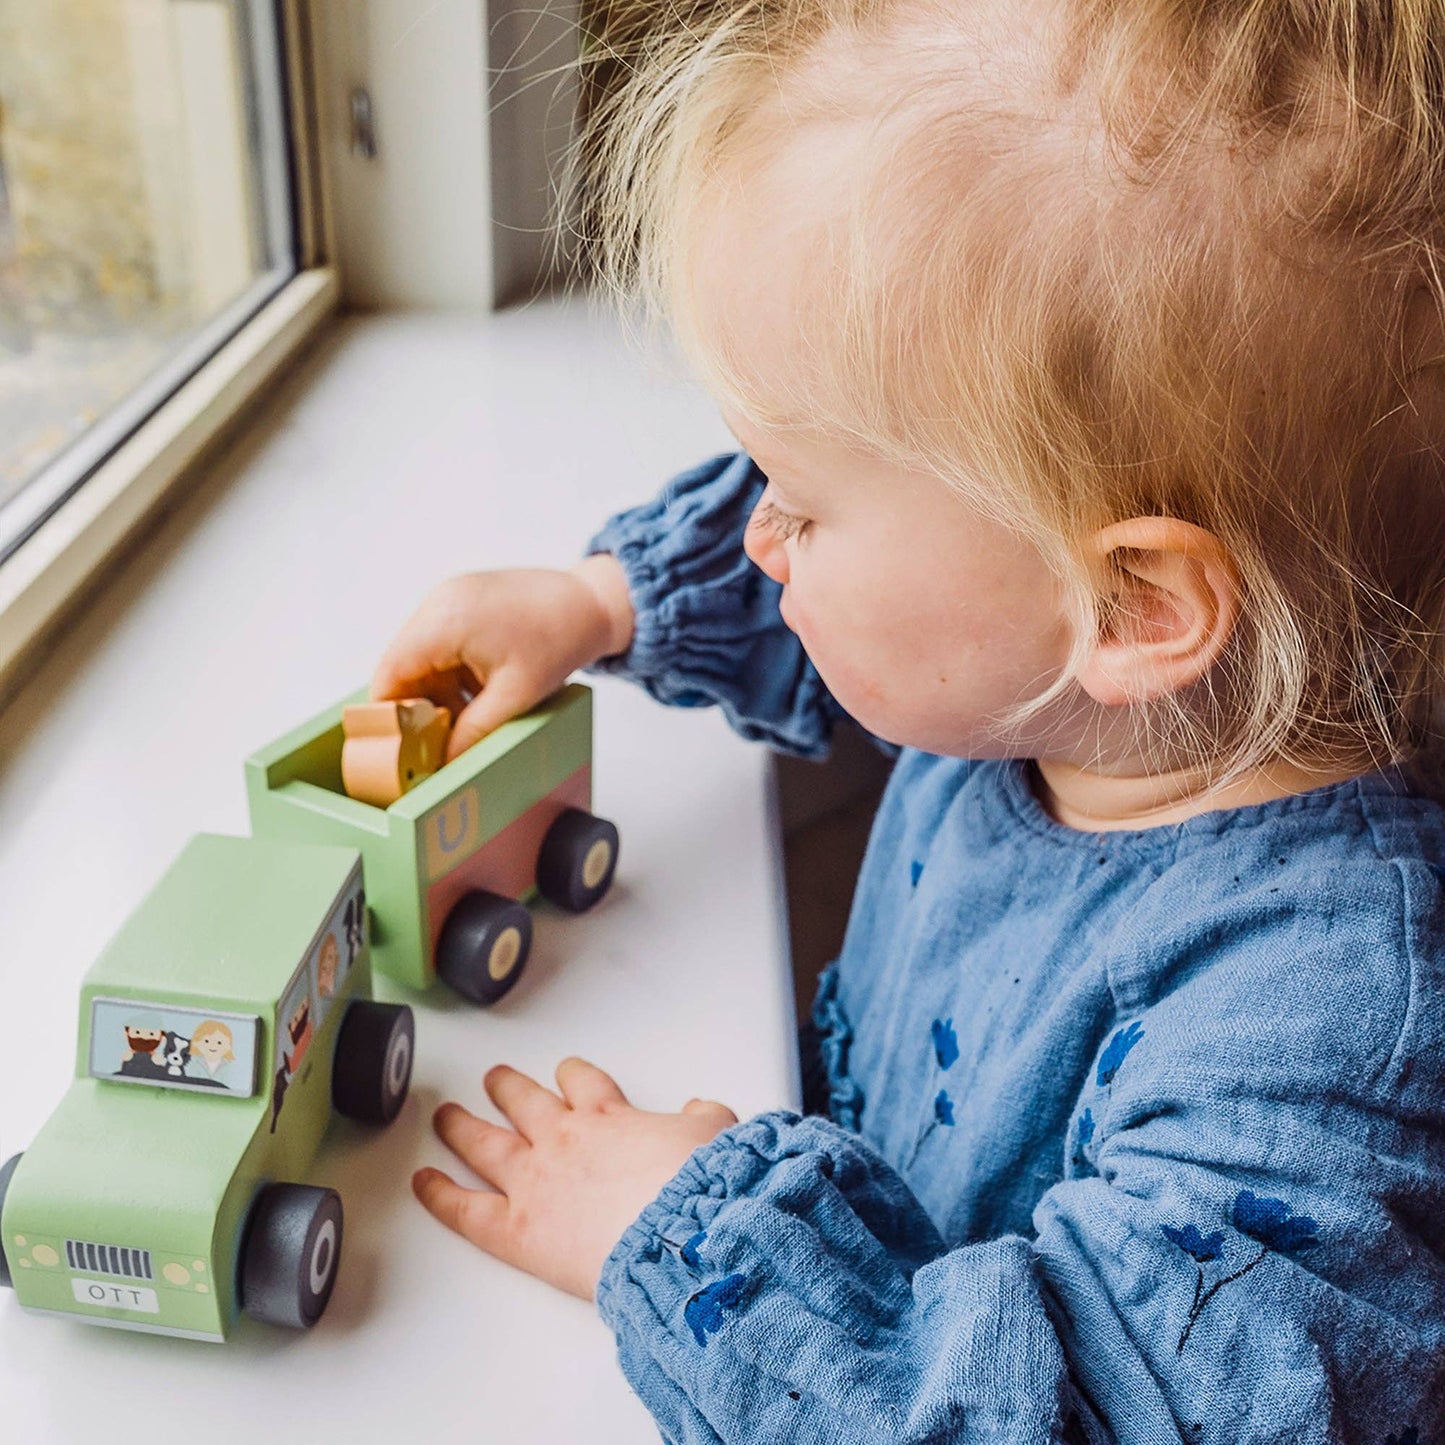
511, 638
576, 1172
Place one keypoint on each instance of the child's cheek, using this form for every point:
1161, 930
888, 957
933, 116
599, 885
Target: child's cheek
860, 690
840, 650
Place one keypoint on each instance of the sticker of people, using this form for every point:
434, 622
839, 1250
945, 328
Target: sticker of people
173, 1047
293, 1039
328, 961
213, 1048
144, 1034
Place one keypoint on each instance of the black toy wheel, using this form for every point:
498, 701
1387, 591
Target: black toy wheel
6, 1170
484, 945
577, 861
372, 1070
290, 1254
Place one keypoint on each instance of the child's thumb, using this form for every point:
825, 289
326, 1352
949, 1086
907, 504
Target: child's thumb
504, 694
710, 1107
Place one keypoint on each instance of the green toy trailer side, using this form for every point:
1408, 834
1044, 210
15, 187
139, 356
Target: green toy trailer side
217, 1030
451, 863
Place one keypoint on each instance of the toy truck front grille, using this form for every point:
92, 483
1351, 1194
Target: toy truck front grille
111, 1259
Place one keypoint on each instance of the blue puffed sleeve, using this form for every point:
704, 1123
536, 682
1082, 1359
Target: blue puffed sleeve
707, 627
786, 1285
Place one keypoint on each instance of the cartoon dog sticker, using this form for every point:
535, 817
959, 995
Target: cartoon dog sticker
355, 926
173, 1055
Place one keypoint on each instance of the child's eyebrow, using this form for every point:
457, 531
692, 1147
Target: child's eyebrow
740, 436
787, 498
768, 470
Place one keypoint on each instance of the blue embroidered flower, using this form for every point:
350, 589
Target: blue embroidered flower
1117, 1052
945, 1043
1271, 1223
943, 1108
1086, 1134
689, 1251
1202, 1247
1266, 1221
704, 1310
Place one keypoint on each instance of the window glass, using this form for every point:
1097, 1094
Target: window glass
145, 214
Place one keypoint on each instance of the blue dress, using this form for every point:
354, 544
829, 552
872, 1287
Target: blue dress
1135, 1136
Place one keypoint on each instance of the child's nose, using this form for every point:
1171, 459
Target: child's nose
765, 550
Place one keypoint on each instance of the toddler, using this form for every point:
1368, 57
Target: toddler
1085, 360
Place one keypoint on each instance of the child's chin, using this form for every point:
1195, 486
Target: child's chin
870, 710
864, 699
942, 737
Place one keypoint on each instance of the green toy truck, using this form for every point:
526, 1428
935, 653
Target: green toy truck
218, 1030
233, 1012
451, 864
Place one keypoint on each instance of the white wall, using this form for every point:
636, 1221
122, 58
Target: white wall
413, 225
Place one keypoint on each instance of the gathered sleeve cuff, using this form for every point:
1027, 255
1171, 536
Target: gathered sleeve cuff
707, 629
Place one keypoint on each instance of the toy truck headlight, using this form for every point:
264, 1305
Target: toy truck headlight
28, 1255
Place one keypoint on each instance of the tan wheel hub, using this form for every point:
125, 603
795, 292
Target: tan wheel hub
505, 952
594, 865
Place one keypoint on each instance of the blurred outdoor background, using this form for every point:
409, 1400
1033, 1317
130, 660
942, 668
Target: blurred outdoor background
133, 207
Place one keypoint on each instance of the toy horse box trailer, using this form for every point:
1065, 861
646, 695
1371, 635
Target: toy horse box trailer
452, 863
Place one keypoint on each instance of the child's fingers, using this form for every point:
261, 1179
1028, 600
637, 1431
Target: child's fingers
585, 1086
447, 687
473, 1213
485, 1148
392, 679
407, 665
524, 1101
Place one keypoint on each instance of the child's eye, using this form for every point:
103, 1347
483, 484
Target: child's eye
783, 525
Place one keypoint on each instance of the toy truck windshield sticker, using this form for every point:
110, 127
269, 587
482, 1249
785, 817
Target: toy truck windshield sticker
137, 1042
320, 979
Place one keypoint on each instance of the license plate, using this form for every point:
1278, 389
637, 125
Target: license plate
116, 1296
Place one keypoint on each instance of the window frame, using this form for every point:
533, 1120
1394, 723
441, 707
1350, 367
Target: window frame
58, 565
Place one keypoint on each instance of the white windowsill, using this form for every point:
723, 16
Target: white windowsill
406, 448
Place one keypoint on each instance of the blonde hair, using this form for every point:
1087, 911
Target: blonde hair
1217, 299
214, 1026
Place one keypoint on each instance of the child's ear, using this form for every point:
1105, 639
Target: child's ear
1169, 605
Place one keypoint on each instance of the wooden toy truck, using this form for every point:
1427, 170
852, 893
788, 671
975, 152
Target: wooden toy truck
451, 864
218, 1030
233, 1012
